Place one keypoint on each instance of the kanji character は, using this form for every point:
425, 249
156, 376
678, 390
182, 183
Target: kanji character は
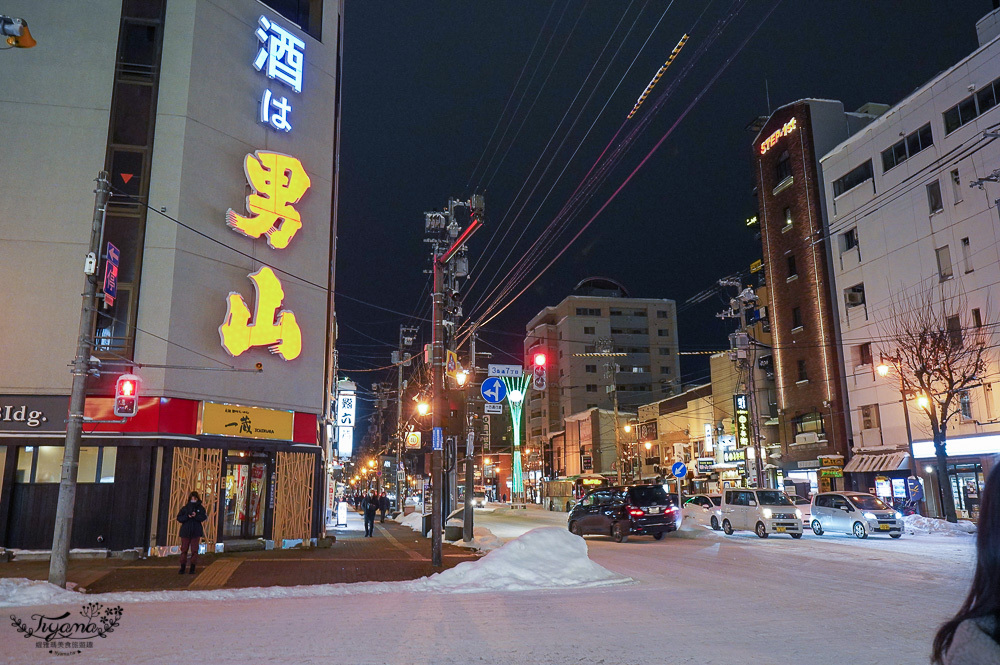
278, 181
282, 52
278, 330
279, 117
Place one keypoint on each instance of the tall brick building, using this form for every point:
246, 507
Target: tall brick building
808, 373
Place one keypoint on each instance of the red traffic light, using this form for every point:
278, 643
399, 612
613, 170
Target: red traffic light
540, 360
127, 395
127, 388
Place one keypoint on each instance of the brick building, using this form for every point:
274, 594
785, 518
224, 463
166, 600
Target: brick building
792, 213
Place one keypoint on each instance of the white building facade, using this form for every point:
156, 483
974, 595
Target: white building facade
903, 221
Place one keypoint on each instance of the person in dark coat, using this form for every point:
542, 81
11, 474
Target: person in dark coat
383, 506
191, 516
370, 507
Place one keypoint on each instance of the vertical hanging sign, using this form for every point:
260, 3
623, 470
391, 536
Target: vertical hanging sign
281, 57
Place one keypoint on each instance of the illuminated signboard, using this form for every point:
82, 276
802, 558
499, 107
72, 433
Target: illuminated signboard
647, 431
346, 403
282, 58
772, 140
278, 183
741, 407
709, 433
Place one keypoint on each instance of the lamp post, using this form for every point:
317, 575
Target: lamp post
922, 401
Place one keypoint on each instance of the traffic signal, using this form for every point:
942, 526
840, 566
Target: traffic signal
538, 371
127, 395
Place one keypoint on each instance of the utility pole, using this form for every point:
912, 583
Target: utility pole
470, 442
434, 226
606, 349
81, 364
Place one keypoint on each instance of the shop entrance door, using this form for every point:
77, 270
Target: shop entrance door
246, 483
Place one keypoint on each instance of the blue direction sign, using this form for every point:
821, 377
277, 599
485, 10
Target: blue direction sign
437, 440
493, 390
679, 469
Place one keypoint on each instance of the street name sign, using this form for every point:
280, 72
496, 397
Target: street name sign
492, 408
510, 371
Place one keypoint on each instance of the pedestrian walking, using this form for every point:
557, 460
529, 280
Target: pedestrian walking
383, 506
191, 515
370, 507
972, 636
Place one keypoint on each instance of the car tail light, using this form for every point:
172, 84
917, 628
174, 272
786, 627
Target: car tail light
636, 512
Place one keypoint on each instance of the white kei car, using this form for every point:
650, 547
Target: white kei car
704, 509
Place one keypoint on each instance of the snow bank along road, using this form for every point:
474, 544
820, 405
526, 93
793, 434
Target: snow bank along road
700, 597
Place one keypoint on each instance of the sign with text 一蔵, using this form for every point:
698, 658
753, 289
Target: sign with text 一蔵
245, 421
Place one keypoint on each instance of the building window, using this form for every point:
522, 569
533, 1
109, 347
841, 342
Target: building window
977, 318
664, 369
588, 311
639, 312
965, 403
944, 262
796, 318
663, 332
848, 240
307, 14
664, 350
934, 202
907, 147
956, 186
591, 387
591, 369
809, 422
615, 312
784, 168
966, 255
43, 464
865, 354
788, 217
662, 314
803, 374
589, 330
869, 416
853, 178
954, 327
791, 266
854, 296
971, 107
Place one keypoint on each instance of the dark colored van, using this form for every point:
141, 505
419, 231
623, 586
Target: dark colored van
623, 511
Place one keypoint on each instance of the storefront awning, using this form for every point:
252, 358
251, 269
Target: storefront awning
877, 463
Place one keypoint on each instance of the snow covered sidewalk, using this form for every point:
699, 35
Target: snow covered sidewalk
546, 558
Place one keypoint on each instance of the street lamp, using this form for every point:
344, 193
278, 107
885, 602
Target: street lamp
423, 408
922, 401
649, 446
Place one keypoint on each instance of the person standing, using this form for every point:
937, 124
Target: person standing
972, 636
191, 516
383, 507
370, 507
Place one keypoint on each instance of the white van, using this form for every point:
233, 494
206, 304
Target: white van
762, 511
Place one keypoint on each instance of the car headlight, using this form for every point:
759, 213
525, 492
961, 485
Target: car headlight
767, 513
899, 516
798, 513
869, 516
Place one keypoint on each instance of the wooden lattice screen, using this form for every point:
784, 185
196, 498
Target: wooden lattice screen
197, 469
293, 498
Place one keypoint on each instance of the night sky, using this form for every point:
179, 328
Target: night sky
425, 84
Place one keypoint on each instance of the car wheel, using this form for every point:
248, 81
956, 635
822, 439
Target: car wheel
715, 523
727, 527
575, 529
817, 528
796, 536
761, 530
859, 531
659, 536
618, 533
895, 535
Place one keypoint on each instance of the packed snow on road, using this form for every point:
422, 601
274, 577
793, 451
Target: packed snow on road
697, 596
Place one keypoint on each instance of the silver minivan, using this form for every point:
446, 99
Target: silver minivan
762, 511
854, 512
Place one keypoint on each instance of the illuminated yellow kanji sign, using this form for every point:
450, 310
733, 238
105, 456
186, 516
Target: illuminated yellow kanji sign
278, 181
278, 330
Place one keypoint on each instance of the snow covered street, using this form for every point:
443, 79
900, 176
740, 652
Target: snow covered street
698, 597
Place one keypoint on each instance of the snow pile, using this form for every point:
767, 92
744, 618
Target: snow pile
543, 558
918, 524
414, 520
482, 539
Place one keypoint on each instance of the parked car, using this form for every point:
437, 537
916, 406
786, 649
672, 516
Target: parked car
762, 511
805, 505
623, 511
854, 512
704, 509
